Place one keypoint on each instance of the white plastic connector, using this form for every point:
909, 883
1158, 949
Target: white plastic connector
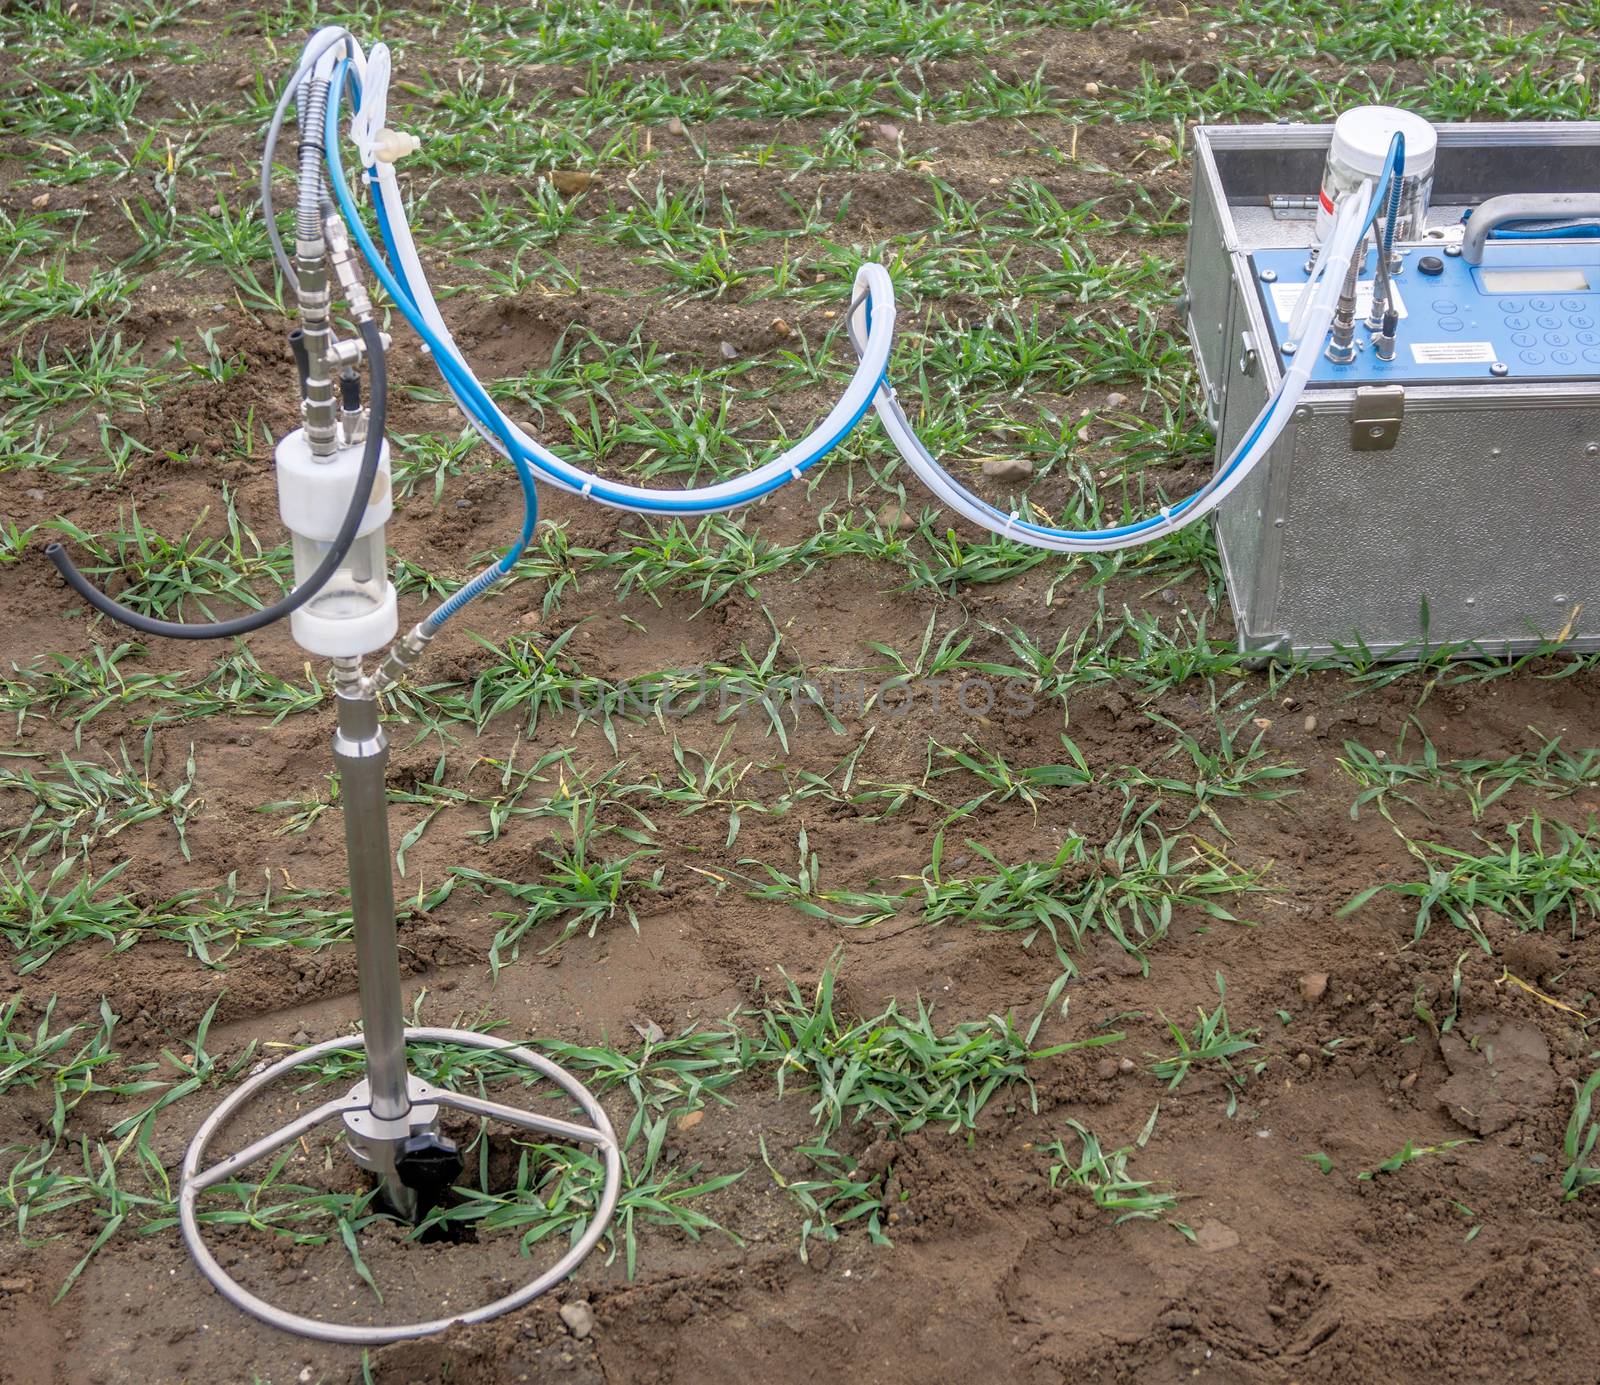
393, 145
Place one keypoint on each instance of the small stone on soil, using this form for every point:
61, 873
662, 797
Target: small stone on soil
1311, 724
569, 182
675, 126
1214, 1236
579, 1318
728, 350
1008, 468
780, 328
1313, 986
1115, 400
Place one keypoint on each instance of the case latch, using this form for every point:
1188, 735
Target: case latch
1375, 417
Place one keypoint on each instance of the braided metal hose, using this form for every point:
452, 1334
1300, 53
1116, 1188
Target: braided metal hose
320, 407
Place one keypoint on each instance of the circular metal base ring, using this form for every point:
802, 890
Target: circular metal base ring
195, 1180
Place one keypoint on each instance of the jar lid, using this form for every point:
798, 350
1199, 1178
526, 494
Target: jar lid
1362, 134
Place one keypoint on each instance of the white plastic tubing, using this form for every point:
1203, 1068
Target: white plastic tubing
416, 301
871, 326
1349, 231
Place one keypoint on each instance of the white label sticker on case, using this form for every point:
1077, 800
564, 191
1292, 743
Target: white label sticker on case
1453, 352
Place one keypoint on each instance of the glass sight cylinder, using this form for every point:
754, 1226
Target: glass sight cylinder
355, 613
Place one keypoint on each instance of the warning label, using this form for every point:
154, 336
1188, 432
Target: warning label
1286, 296
1453, 352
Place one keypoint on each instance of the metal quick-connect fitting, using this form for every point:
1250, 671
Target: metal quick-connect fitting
343, 260
398, 661
1342, 338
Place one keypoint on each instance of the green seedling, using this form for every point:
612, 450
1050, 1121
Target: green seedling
1578, 1143
1211, 1042
1106, 1178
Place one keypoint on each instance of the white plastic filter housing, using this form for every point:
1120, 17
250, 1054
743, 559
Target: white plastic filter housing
355, 613
1360, 147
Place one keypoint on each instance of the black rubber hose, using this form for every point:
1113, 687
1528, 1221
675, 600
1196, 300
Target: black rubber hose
378, 393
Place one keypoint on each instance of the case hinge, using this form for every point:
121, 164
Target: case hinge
1376, 413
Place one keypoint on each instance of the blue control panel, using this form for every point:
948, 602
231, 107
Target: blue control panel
1530, 312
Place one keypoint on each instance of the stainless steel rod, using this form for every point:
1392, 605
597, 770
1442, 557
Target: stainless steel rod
361, 752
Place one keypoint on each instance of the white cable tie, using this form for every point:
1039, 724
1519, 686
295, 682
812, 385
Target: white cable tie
794, 472
586, 488
1011, 520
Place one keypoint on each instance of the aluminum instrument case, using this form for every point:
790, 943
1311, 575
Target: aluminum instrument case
1399, 518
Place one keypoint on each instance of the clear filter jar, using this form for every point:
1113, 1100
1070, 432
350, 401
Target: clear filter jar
1357, 154
355, 613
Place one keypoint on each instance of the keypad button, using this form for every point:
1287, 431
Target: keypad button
1517, 324
1540, 305
1563, 357
1524, 339
1592, 355
1551, 324
1445, 308
1510, 305
1574, 305
1588, 338
1533, 357
1557, 339
1582, 320
1450, 324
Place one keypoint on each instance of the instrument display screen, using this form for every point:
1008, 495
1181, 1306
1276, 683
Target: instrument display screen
1567, 279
